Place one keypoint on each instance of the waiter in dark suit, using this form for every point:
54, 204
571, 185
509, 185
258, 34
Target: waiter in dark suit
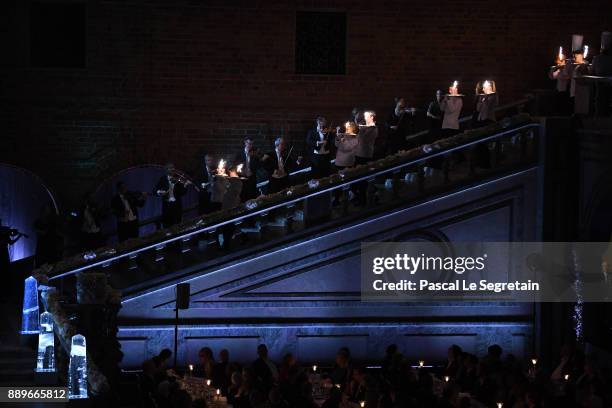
320, 143
249, 157
205, 204
279, 164
226, 189
171, 188
125, 206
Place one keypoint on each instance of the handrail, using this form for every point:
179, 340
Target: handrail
198, 228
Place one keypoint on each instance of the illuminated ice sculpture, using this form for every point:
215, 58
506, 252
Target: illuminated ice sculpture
77, 371
29, 322
46, 344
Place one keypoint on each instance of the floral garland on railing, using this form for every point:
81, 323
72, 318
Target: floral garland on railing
294, 191
65, 329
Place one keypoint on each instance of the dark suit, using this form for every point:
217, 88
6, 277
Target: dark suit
263, 373
321, 166
205, 204
127, 229
172, 211
271, 163
249, 187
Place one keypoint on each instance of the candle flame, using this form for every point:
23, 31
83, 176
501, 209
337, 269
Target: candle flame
586, 51
446, 378
208, 382
190, 367
362, 404
221, 167
500, 404
566, 377
455, 84
218, 391
560, 52
239, 168
314, 368
534, 361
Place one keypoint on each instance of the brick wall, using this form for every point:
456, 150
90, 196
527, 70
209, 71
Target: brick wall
167, 80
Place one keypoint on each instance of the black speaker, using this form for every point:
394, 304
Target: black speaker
182, 295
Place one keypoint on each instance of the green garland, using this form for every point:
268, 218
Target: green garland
65, 330
293, 192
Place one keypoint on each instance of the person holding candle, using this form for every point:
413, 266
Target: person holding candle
487, 102
560, 74
346, 144
451, 106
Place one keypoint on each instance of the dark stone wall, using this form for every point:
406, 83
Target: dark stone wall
168, 80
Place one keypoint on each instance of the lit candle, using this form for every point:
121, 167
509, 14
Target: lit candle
218, 393
338, 386
208, 383
500, 404
586, 51
362, 404
566, 377
446, 378
190, 368
221, 167
560, 54
314, 368
534, 361
421, 363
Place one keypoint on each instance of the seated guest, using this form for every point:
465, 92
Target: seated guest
264, 369
125, 206
205, 204
454, 361
356, 388
148, 385
486, 103
206, 365
171, 188
161, 362
319, 142
346, 144
451, 106
221, 372
341, 371
91, 234
279, 164
250, 158
434, 118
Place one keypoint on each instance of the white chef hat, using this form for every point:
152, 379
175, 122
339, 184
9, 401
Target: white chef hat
577, 42
606, 41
